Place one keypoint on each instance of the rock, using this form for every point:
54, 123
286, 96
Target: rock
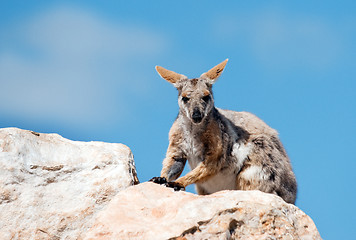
52, 188
151, 211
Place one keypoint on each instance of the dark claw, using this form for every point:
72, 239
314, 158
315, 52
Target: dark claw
163, 181
159, 180
175, 186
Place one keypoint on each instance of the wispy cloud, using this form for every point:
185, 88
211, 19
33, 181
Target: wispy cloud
70, 65
283, 41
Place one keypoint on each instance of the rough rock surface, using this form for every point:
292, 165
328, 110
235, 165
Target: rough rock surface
150, 211
51, 187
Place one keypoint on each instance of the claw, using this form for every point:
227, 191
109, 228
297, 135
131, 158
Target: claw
163, 181
176, 186
158, 180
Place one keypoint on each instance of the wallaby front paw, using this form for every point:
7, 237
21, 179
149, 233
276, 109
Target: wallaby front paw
163, 181
158, 180
176, 186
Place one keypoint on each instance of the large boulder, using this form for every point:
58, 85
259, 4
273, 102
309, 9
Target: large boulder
52, 188
150, 211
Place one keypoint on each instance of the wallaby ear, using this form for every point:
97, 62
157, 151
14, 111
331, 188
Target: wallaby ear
213, 74
170, 76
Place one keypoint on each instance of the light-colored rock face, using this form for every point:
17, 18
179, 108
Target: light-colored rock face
51, 187
150, 211
54, 188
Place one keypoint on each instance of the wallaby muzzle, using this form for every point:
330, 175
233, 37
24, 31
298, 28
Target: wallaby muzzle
197, 116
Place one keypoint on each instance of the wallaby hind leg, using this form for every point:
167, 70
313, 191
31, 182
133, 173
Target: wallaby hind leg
254, 178
258, 178
200, 190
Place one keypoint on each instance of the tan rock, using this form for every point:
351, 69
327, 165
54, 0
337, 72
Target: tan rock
151, 211
51, 187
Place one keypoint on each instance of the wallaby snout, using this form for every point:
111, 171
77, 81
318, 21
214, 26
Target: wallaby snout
197, 116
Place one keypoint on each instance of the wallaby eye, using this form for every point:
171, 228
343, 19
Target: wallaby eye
206, 98
185, 99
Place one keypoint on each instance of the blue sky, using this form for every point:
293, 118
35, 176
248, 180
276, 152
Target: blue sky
85, 70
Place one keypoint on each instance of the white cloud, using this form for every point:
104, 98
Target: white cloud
84, 34
70, 65
279, 40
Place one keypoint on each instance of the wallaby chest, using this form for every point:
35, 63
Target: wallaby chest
223, 180
193, 148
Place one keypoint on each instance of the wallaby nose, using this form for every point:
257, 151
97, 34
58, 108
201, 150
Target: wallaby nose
197, 116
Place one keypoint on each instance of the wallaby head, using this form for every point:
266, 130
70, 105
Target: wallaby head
195, 95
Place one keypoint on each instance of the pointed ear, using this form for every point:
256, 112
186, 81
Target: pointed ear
213, 74
170, 76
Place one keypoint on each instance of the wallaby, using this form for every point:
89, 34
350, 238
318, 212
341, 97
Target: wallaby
226, 150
